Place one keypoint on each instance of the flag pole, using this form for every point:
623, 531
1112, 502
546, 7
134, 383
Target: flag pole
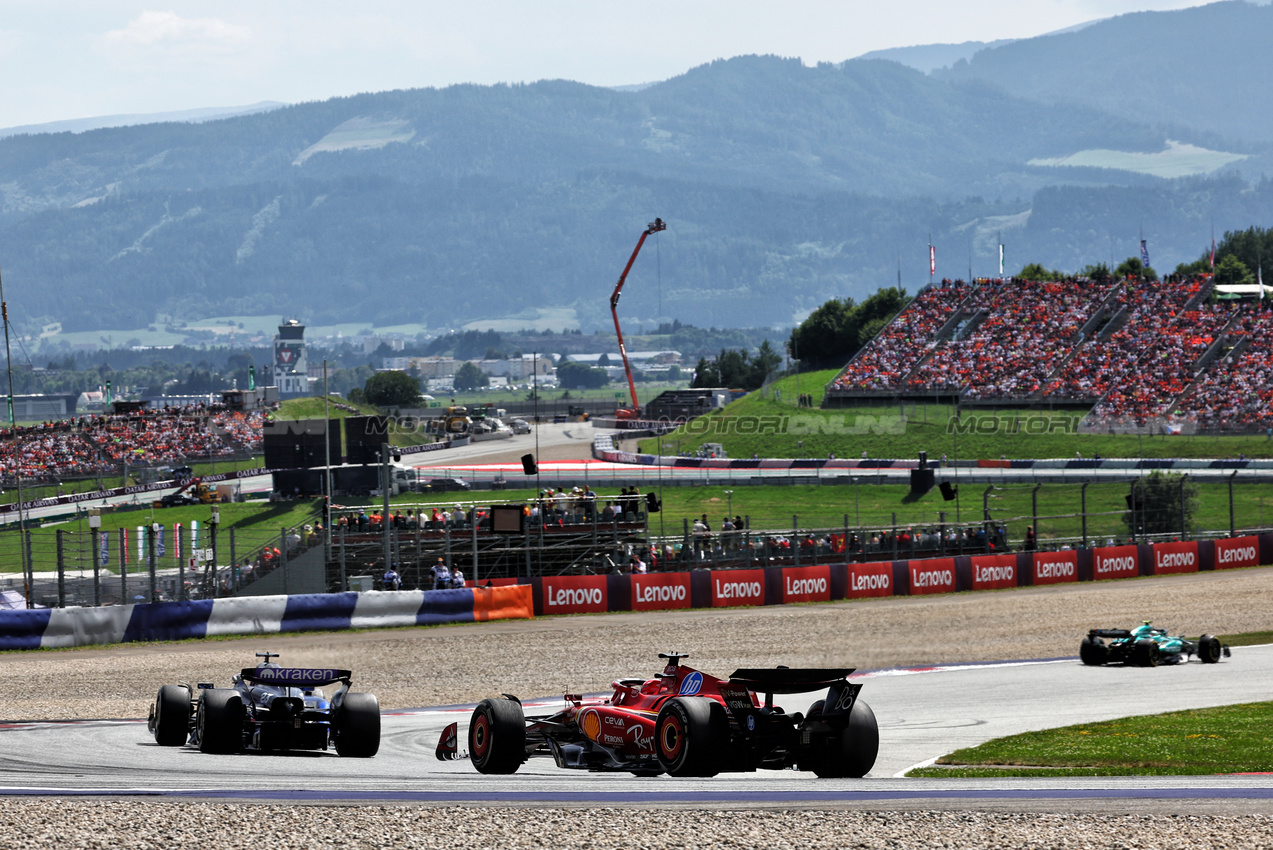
28, 573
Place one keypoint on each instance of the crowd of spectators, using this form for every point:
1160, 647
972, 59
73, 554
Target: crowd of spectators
1028, 327
888, 358
105, 444
1236, 394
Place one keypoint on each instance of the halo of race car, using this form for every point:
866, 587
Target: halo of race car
269, 708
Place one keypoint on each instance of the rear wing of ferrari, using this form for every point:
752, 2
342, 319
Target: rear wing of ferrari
788, 680
298, 677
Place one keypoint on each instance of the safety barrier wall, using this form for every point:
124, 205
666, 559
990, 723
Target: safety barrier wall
592, 594
65, 627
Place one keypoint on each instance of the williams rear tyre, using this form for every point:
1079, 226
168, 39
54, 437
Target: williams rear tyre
220, 721
1147, 654
497, 736
853, 751
358, 726
1093, 651
1209, 649
171, 716
691, 736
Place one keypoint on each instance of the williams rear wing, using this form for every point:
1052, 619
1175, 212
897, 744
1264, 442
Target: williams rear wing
296, 677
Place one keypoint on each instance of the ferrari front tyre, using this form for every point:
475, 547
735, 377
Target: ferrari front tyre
1147, 654
172, 716
1093, 651
690, 736
358, 726
1209, 649
852, 752
497, 736
220, 721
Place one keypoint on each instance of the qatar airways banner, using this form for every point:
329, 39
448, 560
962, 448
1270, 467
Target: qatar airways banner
873, 579
991, 572
1056, 567
1175, 558
575, 595
806, 584
660, 591
932, 576
1115, 562
731, 588
1237, 552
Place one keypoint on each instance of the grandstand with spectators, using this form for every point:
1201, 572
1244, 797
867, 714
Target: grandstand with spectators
1144, 356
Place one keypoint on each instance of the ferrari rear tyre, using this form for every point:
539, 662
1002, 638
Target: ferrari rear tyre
358, 726
220, 721
853, 752
172, 716
1093, 652
691, 735
1209, 649
497, 736
1147, 654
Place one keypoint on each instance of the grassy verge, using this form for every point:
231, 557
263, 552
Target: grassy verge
902, 430
1228, 739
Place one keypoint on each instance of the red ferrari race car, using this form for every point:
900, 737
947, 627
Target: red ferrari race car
684, 723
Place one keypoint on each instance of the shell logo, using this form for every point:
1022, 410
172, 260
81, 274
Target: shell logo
591, 724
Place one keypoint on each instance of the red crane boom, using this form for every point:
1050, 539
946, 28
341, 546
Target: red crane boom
635, 411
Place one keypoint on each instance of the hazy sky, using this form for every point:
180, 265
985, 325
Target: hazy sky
62, 59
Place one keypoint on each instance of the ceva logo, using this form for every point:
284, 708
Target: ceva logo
738, 590
806, 586
660, 593
563, 596
876, 581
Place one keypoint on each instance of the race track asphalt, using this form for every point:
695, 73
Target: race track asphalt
923, 714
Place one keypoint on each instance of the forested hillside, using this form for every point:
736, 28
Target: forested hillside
782, 185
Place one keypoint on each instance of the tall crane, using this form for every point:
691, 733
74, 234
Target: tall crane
633, 412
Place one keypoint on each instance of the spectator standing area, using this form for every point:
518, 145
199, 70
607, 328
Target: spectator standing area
1147, 356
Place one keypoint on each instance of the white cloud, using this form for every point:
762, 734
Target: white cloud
168, 31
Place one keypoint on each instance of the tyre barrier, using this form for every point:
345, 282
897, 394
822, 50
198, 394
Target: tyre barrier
594, 594
46, 628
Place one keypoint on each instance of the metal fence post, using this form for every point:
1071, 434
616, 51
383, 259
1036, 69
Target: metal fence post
123, 566
180, 546
283, 556
61, 573
150, 558
234, 565
95, 535
344, 578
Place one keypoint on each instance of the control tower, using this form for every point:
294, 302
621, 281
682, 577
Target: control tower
291, 371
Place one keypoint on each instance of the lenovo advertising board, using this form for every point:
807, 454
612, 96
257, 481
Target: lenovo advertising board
660, 591
731, 588
873, 579
806, 584
575, 595
1056, 567
933, 576
991, 572
1238, 552
1175, 558
1115, 562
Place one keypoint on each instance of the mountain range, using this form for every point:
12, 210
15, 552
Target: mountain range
782, 185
